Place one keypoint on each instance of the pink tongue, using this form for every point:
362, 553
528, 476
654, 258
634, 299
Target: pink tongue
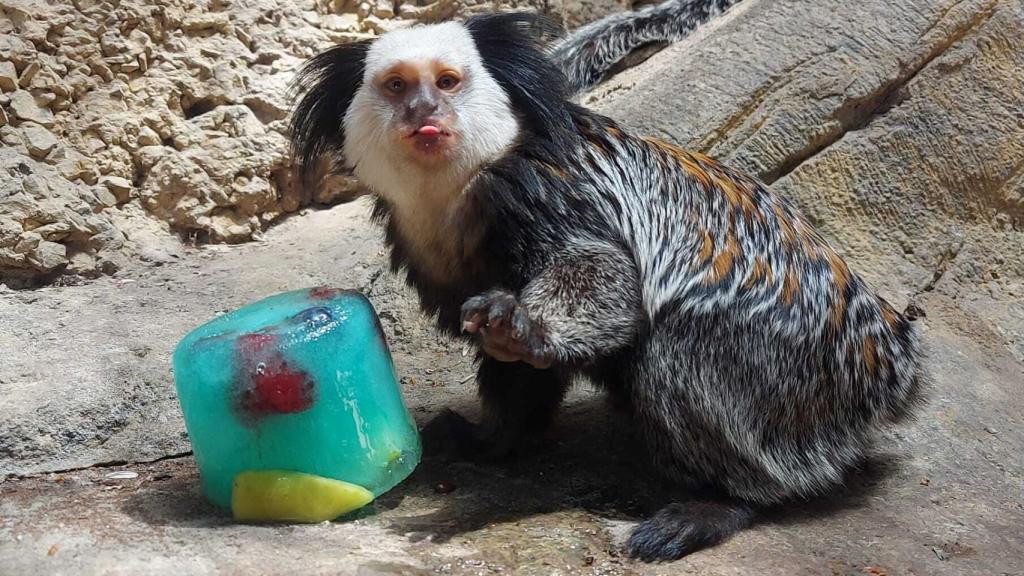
428, 130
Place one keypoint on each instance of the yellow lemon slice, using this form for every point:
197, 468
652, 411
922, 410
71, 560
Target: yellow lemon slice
262, 495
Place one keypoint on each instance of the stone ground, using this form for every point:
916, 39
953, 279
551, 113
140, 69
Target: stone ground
944, 495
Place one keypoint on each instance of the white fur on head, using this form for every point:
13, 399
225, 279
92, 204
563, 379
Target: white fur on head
485, 123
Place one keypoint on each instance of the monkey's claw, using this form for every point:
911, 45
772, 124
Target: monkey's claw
505, 330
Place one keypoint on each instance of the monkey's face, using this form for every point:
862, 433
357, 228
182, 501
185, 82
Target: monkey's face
422, 95
427, 112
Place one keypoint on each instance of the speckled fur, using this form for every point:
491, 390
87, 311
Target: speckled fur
588, 53
749, 357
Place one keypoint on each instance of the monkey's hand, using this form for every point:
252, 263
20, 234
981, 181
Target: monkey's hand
505, 330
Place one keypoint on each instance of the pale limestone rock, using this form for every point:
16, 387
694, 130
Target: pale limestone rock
119, 187
211, 21
383, 9
40, 216
72, 164
28, 242
24, 107
147, 137
28, 73
54, 231
16, 50
13, 139
82, 264
230, 227
38, 140
8, 76
48, 80
575, 13
48, 256
110, 239
105, 198
337, 188
341, 22
439, 10
148, 156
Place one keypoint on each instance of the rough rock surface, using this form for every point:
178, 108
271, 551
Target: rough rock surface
49, 224
896, 125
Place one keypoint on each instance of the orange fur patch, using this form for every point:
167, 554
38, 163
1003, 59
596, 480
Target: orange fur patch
687, 160
790, 287
870, 353
719, 267
738, 194
723, 262
706, 160
889, 315
707, 247
841, 278
788, 233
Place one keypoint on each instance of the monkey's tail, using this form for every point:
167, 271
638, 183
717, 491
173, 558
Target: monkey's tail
587, 54
681, 528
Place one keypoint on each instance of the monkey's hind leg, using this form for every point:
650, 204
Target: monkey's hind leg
519, 403
678, 418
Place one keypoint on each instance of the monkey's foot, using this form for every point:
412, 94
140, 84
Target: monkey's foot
450, 437
505, 330
682, 528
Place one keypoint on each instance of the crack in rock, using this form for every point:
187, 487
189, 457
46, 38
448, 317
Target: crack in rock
107, 464
858, 114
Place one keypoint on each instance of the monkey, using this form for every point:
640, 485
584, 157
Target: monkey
754, 366
588, 54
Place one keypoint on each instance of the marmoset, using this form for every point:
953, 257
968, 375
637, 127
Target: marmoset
752, 363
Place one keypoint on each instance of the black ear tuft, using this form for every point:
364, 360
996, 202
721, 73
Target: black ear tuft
511, 47
327, 82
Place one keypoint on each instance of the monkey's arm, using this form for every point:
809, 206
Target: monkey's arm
584, 304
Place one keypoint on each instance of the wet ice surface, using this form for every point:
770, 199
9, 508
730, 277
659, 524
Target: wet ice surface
299, 381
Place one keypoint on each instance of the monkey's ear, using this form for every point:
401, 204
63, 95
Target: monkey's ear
511, 45
327, 82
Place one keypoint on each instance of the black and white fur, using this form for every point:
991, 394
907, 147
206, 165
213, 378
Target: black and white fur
750, 360
589, 53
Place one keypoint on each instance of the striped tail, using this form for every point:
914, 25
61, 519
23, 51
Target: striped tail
587, 54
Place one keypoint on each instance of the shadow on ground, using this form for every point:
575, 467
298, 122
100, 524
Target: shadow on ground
585, 463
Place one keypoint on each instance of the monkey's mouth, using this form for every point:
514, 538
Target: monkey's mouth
431, 140
428, 131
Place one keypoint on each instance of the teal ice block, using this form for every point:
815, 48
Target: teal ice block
300, 381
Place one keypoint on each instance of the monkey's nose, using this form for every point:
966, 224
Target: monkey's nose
420, 110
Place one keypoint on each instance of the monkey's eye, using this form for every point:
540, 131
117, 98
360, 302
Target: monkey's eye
447, 81
394, 85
